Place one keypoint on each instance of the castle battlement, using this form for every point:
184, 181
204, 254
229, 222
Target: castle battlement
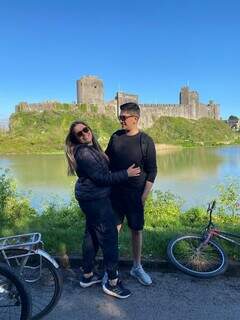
90, 91
158, 105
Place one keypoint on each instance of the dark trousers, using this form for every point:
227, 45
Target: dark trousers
100, 231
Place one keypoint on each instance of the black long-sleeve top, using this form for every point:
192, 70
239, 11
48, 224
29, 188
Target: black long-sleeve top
124, 150
94, 177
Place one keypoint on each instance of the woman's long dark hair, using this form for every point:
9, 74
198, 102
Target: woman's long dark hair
72, 141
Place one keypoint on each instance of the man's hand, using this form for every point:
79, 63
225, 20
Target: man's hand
147, 189
144, 198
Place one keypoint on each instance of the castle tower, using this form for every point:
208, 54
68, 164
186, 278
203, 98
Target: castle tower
214, 110
184, 97
194, 104
90, 90
193, 98
123, 97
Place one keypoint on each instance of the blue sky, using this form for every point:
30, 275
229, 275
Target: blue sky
150, 48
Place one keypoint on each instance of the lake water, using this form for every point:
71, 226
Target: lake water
191, 173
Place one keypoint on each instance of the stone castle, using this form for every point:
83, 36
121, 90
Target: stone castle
90, 91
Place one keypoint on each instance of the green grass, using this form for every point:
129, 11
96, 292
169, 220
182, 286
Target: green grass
45, 132
202, 132
63, 227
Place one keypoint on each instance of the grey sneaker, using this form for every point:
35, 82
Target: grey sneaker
141, 275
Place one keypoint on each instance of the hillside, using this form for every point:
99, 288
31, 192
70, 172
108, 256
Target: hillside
44, 132
180, 131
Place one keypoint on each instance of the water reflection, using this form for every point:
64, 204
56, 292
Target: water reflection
189, 173
37, 170
189, 163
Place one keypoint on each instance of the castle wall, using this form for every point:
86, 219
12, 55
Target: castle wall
24, 106
90, 93
151, 112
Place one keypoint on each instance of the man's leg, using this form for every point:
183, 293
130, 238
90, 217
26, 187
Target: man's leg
136, 247
137, 270
135, 217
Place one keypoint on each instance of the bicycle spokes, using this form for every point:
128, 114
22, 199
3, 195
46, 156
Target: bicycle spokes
194, 254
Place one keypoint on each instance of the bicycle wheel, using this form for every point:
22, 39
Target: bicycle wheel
15, 302
43, 279
190, 255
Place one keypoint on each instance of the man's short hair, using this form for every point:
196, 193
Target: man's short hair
131, 108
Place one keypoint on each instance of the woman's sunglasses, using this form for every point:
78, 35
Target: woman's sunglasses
79, 134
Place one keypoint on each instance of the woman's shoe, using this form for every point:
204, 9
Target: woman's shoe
117, 290
88, 282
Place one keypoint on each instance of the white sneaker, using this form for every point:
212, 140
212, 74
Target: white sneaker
141, 275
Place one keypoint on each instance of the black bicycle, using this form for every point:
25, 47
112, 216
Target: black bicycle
200, 255
15, 301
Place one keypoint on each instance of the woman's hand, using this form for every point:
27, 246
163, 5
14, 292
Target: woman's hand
133, 172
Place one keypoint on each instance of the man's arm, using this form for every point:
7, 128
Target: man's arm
150, 167
108, 151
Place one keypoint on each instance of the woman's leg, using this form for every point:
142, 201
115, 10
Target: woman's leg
100, 230
89, 249
104, 225
107, 234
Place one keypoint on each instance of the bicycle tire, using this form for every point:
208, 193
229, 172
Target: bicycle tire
18, 290
39, 310
206, 261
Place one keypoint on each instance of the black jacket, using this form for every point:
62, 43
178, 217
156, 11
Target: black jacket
94, 177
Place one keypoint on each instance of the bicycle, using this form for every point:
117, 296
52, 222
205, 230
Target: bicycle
15, 301
36, 267
200, 255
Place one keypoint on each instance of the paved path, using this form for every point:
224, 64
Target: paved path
173, 296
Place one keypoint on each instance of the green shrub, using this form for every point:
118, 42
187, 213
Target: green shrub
16, 213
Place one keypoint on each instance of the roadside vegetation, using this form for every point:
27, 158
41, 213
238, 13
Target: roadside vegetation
44, 132
62, 226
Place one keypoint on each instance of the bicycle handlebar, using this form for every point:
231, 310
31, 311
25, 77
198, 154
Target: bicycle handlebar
211, 206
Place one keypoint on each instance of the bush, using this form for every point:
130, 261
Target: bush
16, 213
229, 196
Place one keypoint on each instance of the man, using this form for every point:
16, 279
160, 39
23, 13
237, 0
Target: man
125, 147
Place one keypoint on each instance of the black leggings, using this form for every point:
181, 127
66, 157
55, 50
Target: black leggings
100, 231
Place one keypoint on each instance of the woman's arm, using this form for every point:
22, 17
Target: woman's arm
88, 162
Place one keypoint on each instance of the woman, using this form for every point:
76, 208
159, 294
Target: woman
87, 160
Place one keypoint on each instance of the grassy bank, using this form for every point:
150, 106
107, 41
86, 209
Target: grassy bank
44, 132
188, 133
63, 227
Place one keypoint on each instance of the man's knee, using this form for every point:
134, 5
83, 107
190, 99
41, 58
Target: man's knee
119, 227
136, 233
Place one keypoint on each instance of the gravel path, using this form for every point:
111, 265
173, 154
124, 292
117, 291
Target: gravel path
173, 296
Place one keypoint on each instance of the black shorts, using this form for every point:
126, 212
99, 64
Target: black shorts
129, 204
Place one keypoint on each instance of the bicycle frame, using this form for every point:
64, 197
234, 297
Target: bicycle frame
211, 231
33, 245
